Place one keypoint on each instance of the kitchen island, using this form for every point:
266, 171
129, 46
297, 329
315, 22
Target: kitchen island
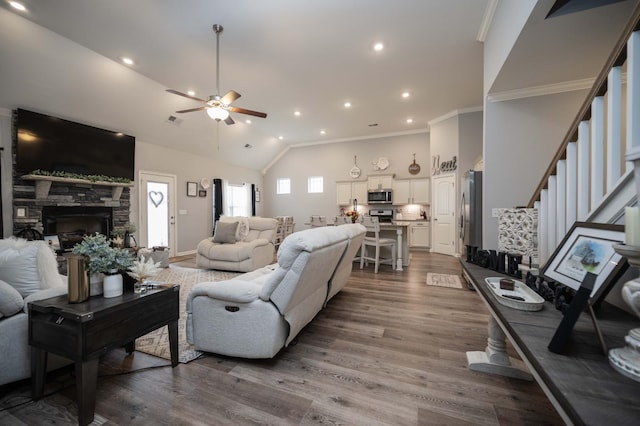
400, 231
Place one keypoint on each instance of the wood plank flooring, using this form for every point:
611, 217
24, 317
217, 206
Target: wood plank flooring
387, 350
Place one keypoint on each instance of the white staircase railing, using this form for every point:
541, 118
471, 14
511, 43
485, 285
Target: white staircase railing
588, 179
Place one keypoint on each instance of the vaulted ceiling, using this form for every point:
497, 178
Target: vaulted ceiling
312, 57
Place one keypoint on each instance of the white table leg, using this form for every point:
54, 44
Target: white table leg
495, 360
399, 256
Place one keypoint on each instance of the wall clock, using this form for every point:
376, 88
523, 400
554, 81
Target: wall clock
355, 170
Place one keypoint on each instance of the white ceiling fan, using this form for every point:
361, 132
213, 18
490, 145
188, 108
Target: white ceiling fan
218, 107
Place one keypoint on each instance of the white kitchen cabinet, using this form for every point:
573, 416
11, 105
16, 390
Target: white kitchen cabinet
411, 191
402, 191
380, 182
420, 191
419, 234
348, 191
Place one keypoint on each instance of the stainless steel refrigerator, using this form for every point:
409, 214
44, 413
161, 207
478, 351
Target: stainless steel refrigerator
471, 210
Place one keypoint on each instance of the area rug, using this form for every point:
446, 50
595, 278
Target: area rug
157, 342
444, 280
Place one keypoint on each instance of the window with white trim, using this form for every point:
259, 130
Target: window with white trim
314, 184
283, 186
237, 203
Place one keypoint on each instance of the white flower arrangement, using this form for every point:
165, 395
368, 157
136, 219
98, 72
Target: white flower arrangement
144, 268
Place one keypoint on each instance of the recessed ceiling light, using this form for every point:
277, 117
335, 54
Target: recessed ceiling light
378, 46
406, 94
347, 104
127, 61
18, 6
409, 120
247, 121
322, 132
191, 93
296, 113
281, 137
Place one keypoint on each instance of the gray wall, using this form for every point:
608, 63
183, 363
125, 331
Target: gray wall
333, 162
521, 138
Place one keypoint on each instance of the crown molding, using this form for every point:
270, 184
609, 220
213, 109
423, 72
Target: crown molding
352, 139
548, 89
489, 12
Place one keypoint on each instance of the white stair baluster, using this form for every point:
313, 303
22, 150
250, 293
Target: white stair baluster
572, 185
597, 151
583, 170
551, 215
615, 158
561, 198
543, 227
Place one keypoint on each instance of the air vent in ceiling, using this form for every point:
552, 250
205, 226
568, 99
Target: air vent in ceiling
172, 119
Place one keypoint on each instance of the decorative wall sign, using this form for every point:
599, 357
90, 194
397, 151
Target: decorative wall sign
192, 189
355, 170
380, 164
202, 193
414, 168
445, 166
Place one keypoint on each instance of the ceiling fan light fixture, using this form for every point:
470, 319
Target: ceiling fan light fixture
218, 113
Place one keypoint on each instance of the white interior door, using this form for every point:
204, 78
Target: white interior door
444, 214
157, 206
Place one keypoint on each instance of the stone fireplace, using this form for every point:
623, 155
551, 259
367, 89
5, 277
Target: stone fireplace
68, 207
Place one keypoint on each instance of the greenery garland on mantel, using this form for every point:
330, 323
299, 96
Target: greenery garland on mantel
78, 176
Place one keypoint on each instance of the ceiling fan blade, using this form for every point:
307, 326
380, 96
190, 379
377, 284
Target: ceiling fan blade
248, 112
175, 92
230, 97
229, 120
192, 109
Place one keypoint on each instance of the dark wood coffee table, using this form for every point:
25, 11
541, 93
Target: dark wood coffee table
84, 331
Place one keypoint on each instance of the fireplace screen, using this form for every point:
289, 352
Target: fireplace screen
71, 224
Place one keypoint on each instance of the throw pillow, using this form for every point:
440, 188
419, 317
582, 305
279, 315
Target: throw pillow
225, 232
10, 300
243, 228
28, 266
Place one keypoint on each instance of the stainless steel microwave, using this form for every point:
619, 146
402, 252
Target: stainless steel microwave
380, 196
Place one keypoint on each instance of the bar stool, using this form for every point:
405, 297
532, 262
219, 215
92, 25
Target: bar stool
317, 221
342, 220
373, 227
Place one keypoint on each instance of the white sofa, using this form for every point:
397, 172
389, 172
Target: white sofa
253, 247
28, 272
256, 314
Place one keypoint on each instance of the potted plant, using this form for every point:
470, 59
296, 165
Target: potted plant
103, 259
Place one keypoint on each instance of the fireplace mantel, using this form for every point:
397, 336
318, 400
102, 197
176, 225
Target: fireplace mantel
43, 184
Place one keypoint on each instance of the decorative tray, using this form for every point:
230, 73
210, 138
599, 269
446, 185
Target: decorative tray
521, 297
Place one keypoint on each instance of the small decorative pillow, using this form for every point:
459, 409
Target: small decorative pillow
10, 300
28, 266
225, 232
243, 228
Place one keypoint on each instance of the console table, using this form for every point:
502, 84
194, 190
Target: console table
580, 383
84, 331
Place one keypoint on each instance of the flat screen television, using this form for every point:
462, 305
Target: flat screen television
53, 144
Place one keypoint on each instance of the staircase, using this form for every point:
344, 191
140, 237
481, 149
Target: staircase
588, 179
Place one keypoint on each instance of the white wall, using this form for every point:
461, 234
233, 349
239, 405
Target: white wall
333, 162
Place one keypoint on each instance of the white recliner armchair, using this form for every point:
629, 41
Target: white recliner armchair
251, 247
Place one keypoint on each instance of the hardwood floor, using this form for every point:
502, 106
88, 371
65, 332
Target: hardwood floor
387, 350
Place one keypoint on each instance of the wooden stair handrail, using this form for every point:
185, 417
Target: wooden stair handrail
617, 58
